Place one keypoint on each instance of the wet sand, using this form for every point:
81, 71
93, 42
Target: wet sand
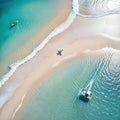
60, 16
83, 34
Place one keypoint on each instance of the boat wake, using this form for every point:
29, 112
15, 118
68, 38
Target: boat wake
109, 57
76, 4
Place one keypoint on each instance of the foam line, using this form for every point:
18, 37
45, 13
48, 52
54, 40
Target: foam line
18, 107
13, 67
76, 11
56, 31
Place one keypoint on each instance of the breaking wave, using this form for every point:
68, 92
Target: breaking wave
79, 7
13, 67
98, 8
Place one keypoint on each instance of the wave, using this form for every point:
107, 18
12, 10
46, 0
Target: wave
13, 67
59, 29
56, 31
98, 8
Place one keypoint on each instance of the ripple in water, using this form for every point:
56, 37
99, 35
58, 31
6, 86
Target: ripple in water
99, 7
57, 98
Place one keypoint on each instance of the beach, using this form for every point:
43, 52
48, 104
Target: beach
17, 43
75, 40
58, 19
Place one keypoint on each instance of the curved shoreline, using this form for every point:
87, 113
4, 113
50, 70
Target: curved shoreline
56, 31
59, 29
15, 66
68, 57
45, 66
103, 13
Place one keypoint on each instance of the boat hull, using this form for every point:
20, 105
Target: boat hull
83, 98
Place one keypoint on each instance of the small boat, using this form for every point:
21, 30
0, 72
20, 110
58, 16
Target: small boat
85, 95
14, 24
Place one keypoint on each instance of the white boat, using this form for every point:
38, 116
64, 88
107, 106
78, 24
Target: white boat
85, 95
14, 24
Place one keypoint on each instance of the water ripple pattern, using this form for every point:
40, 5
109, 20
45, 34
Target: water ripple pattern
57, 98
98, 8
106, 89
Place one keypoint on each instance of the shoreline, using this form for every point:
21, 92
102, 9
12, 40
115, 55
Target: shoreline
37, 37
35, 79
57, 20
48, 31
44, 61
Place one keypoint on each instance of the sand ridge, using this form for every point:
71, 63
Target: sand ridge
75, 40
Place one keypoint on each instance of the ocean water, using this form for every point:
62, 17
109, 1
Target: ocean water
57, 98
32, 15
6, 92
98, 8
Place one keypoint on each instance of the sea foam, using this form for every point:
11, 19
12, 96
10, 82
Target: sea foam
13, 67
98, 8
56, 31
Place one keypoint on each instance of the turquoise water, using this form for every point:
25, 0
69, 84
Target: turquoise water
32, 15
57, 98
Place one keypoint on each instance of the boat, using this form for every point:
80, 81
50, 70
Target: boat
14, 24
85, 95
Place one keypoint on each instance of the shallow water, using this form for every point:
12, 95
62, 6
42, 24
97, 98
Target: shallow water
99, 7
57, 98
32, 15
